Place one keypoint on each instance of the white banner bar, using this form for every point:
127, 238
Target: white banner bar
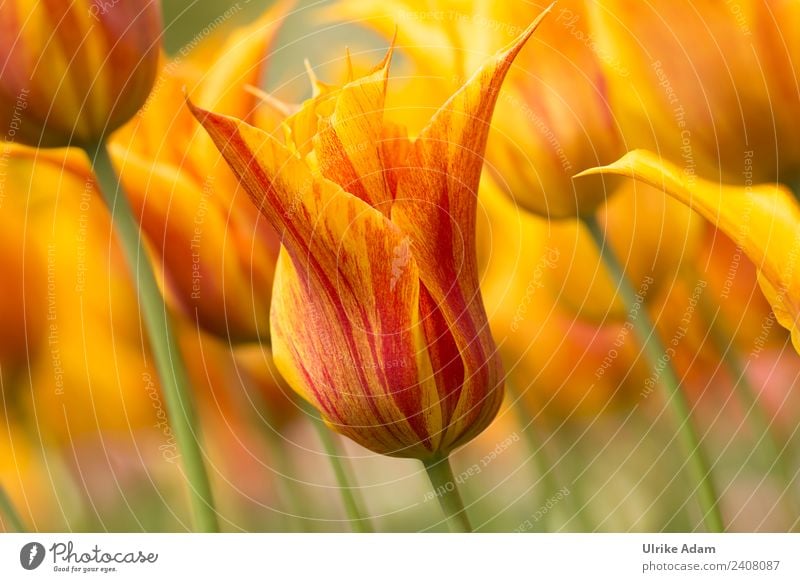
401, 557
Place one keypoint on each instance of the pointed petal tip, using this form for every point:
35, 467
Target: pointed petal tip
199, 113
214, 123
597, 170
516, 45
386, 61
350, 69
622, 166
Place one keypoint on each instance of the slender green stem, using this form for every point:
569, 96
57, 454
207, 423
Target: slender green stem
544, 465
12, 515
169, 363
655, 352
358, 521
444, 486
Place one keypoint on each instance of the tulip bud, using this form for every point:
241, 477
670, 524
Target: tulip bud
377, 317
708, 85
74, 70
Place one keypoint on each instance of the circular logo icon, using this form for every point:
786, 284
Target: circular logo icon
31, 555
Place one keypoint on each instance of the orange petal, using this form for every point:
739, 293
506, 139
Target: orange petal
348, 141
436, 206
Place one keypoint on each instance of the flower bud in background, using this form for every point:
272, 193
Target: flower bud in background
218, 252
73, 71
710, 86
22, 295
565, 367
377, 317
87, 364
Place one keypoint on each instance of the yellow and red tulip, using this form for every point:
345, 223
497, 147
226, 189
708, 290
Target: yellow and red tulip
377, 316
75, 70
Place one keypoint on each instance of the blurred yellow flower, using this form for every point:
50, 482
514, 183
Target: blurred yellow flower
709, 86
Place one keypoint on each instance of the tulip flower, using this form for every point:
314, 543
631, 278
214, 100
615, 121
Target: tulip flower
725, 110
214, 248
763, 220
74, 71
376, 315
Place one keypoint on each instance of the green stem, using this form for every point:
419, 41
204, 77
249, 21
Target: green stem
654, 352
444, 485
544, 466
170, 366
7, 508
358, 521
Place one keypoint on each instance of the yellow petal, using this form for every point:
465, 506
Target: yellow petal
763, 220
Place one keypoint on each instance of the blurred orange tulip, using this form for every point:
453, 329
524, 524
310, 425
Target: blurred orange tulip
709, 86
218, 253
89, 366
566, 367
74, 71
